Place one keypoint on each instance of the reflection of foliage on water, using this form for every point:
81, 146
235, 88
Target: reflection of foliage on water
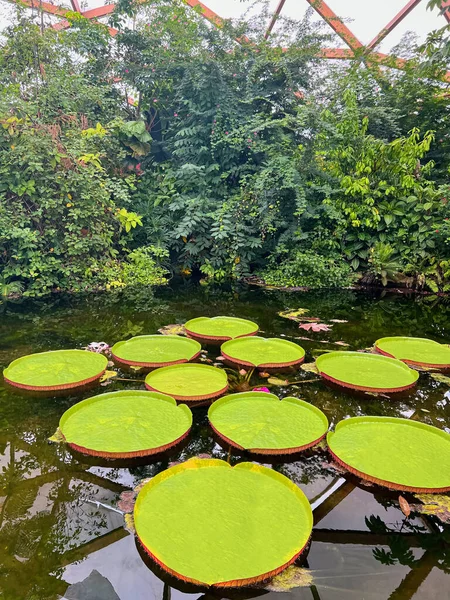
399, 542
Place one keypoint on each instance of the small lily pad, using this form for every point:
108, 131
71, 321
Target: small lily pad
397, 453
151, 351
219, 329
293, 315
125, 424
264, 353
56, 370
262, 423
188, 382
415, 351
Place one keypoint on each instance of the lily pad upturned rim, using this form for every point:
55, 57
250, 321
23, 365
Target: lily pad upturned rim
190, 397
214, 339
419, 363
123, 361
133, 454
346, 384
273, 365
56, 387
196, 464
265, 396
382, 482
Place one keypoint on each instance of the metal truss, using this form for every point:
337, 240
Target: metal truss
354, 50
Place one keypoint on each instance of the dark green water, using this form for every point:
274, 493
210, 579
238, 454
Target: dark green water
52, 532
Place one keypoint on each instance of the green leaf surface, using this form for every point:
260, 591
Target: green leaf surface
125, 421
154, 349
187, 380
58, 367
399, 451
260, 351
366, 370
258, 420
224, 327
420, 350
211, 523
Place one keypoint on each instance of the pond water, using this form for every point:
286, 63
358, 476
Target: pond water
60, 533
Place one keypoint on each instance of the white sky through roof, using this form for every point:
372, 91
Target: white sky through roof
364, 17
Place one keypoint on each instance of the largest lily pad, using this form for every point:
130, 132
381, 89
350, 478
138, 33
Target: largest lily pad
262, 423
398, 453
125, 424
210, 524
267, 353
219, 329
366, 372
154, 351
56, 370
415, 351
188, 382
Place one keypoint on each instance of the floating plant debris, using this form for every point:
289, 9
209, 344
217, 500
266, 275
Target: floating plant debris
152, 351
55, 370
214, 330
262, 423
415, 351
366, 372
125, 424
188, 382
398, 453
208, 523
264, 353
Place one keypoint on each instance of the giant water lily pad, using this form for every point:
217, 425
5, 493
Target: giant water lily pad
188, 382
262, 423
125, 424
415, 351
366, 372
153, 351
398, 453
210, 524
56, 370
270, 353
219, 329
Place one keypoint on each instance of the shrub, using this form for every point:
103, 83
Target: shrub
308, 269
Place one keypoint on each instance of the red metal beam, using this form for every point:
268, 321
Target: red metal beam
335, 23
446, 7
276, 14
75, 5
44, 6
404, 12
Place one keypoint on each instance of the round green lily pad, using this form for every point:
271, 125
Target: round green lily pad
415, 351
208, 523
264, 424
219, 329
263, 352
153, 351
398, 453
366, 372
56, 370
125, 424
188, 382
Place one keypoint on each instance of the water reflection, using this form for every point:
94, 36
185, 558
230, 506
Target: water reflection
59, 524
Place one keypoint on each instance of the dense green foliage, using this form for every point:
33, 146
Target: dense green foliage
231, 158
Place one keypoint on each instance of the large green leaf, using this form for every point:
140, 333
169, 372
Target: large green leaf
209, 523
398, 452
154, 350
188, 381
371, 371
221, 327
421, 351
56, 368
262, 352
261, 421
125, 422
